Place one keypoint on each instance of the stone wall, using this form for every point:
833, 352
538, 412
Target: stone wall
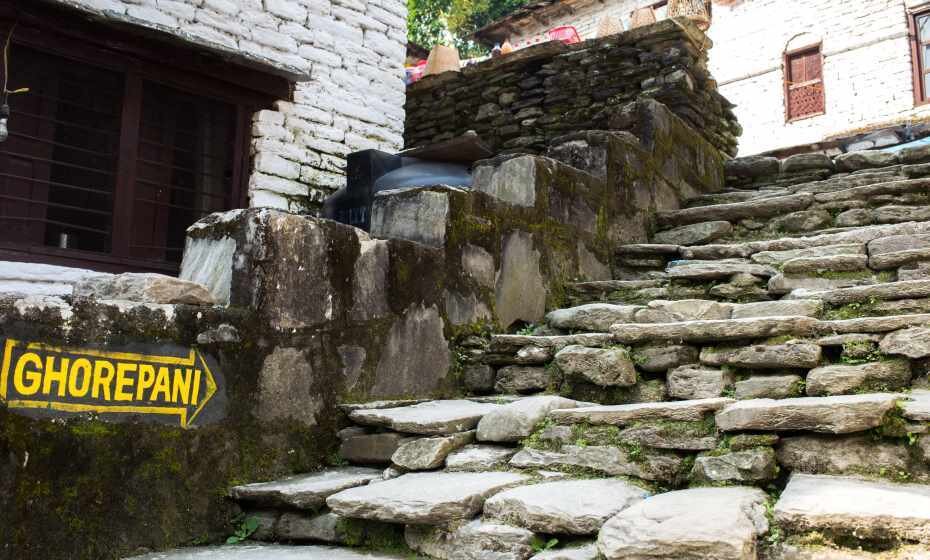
533, 224
318, 313
90, 488
346, 55
520, 102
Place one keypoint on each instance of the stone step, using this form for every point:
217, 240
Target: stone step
563, 507
624, 414
434, 498
767, 208
267, 552
718, 523
886, 291
599, 317
442, 417
799, 551
758, 327
871, 188
307, 491
857, 236
864, 509
733, 196
833, 415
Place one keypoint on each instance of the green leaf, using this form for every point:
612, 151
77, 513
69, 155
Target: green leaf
233, 540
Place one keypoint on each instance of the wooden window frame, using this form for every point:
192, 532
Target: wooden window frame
786, 71
918, 71
62, 33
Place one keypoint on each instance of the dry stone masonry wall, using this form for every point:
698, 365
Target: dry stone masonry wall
346, 56
520, 102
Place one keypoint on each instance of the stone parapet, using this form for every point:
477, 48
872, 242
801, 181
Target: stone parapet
520, 102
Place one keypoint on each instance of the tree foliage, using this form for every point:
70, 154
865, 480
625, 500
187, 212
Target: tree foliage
431, 22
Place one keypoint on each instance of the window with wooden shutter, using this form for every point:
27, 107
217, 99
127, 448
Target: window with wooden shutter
919, 24
120, 143
804, 92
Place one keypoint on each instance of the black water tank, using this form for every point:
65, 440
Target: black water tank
352, 204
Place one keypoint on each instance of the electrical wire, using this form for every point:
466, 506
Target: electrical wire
6, 61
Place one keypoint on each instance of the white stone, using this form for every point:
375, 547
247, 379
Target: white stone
622, 414
718, 523
575, 507
852, 506
429, 418
305, 491
515, 421
423, 498
834, 415
514, 181
478, 458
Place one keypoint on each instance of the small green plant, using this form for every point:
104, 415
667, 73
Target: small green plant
775, 534
528, 330
246, 528
541, 545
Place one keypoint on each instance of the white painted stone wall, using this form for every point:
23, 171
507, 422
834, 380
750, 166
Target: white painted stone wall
349, 55
867, 66
867, 62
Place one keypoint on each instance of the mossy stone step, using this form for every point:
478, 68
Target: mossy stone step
864, 509
307, 491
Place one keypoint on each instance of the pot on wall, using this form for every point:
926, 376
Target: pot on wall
441, 59
695, 10
642, 17
609, 25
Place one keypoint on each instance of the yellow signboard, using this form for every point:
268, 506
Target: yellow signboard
174, 385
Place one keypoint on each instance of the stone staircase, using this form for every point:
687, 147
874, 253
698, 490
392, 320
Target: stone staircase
752, 385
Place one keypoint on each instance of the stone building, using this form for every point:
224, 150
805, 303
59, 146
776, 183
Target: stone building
855, 66
143, 116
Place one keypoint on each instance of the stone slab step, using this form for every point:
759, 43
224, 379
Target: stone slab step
512, 343
718, 523
859, 235
307, 491
864, 192
573, 507
434, 498
640, 249
599, 317
441, 417
884, 292
267, 552
868, 509
791, 551
766, 208
715, 269
653, 465
713, 330
759, 327
840, 414
622, 414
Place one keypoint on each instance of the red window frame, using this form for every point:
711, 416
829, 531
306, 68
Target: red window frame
918, 68
791, 84
141, 59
